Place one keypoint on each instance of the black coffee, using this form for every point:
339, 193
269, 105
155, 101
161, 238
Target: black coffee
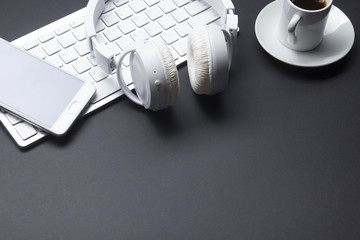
310, 4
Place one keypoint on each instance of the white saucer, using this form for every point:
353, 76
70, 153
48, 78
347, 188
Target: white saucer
338, 38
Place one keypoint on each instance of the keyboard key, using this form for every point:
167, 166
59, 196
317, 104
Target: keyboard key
86, 77
151, 2
154, 13
126, 61
167, 22
82, 65
38, 52
181, 3
82, 48
101, 39
140, 19
77, 22
170, 36
167, 6
139, 35
112, 34
12, 119
46, 37
55, 60
183, 29
180, 47
31, 44
105, 88
69, 69
68, 55
124, 12
79, 33
119, 3
61, 30
114, 48
108, 7
110, 19
196, 7
25, 130
126, 26
51, 47
98, 74
137, 6
153, 29
203, 18
180, 15
174, 53
100, 26
124, 42
67, 40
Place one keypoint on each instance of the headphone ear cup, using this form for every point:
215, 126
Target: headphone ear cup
208, 60
154, 75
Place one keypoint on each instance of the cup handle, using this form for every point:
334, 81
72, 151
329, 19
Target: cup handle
292, 27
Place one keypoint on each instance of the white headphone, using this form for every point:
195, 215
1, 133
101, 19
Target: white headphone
153, 70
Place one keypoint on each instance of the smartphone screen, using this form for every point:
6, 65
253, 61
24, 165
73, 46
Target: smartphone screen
38, 91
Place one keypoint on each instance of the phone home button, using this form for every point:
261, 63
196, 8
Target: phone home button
74, 107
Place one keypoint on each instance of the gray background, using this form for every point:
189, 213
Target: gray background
276, 156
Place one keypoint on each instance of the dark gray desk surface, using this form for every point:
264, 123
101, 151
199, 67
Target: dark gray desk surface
276, 156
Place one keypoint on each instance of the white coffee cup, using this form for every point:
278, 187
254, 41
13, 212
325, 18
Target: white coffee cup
302, 29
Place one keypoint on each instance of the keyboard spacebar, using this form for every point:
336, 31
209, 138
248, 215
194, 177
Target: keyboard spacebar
105, 88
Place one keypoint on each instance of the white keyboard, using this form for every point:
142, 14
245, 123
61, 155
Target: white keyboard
62, 43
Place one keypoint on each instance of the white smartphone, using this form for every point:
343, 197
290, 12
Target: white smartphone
38, 92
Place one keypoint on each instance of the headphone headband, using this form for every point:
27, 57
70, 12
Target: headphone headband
94, 9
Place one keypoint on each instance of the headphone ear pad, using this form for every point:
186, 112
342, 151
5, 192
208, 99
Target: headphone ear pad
199, 60
208, 60
170, 70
